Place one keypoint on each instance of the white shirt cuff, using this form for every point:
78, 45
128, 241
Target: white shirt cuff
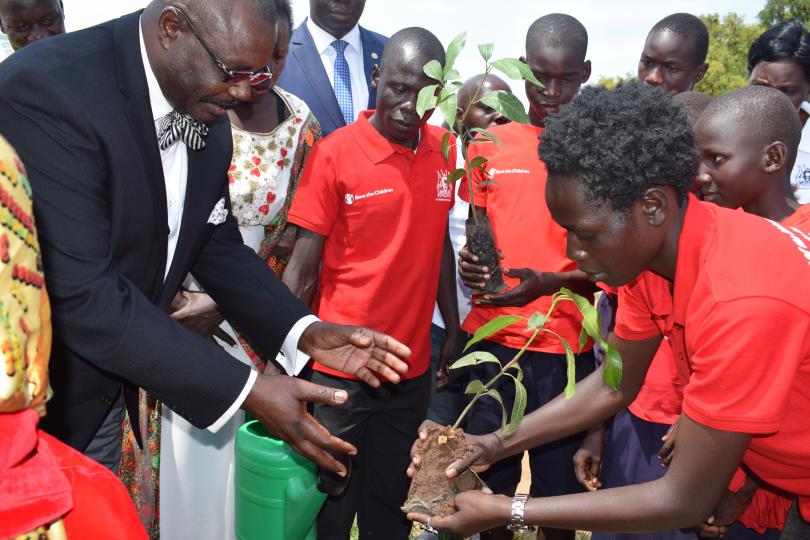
222, 420
290, 358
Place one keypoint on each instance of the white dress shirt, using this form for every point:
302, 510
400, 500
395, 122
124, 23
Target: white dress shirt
175, 173
354, 58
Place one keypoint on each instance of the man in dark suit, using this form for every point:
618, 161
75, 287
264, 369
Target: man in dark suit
330, 61
109, 162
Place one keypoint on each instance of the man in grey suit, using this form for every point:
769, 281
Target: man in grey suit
330, 61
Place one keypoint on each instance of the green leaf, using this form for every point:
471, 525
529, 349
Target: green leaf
453, 86
433, 69
571, 374
518, 409
486, 51
446, 146
474, 387
456, 175
477, 162
583, 339
536, 321
515, 70
613, 366
492, 327
486, 183
453, 51
506, 104
497, 396
452, 75
486, 134
590, 317
449, 108
475, 358
426, 100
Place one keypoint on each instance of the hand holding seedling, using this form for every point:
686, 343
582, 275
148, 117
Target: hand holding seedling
482, 452
475, 511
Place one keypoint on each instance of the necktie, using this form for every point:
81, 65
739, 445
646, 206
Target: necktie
177, 126
343, 82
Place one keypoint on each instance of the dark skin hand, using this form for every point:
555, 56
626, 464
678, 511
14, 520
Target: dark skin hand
731, 506
533, 283
588, 459
446, 299
686, 494
199, 313
280, 402
592, 403
301, 273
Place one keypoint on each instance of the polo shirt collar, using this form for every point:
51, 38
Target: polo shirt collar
158, 102
378, 148
697, 235
323, 39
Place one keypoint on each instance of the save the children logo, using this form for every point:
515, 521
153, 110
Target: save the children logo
350, 198
443, 190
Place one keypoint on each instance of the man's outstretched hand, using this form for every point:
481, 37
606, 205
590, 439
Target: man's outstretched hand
356, 351
279, 402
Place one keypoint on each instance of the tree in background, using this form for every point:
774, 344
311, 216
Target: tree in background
776, 11
729, 38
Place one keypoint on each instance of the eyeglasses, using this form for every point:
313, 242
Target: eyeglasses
230, 75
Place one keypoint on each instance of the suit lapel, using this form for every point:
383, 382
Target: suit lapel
372, 54
132, 82
205, 186
304, 52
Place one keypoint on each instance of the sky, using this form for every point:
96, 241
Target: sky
616, 28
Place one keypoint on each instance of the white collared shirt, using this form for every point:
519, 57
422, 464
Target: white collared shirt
175, 174
354, 58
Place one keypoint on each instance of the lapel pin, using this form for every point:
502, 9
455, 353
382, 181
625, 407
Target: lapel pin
374, 56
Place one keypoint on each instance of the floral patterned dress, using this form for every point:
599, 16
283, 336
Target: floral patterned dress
263, 176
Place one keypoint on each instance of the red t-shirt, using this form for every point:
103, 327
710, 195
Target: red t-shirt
799, 219
660, 397
739, 328
383, 210
524, 231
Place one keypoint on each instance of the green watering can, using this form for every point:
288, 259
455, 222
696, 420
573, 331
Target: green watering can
276, 493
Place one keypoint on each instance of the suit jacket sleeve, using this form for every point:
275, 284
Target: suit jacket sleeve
246, 290
99, 314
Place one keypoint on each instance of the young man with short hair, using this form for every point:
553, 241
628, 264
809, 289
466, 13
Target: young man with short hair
674, 54
372, 209
27, 21
514, 202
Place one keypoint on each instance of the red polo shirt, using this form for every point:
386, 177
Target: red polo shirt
383, 210
739, 328
524, 232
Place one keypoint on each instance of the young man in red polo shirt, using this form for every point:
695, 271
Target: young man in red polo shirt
372, 211
524, 232
734, 291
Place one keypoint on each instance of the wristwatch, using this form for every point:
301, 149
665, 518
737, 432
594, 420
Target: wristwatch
516, 524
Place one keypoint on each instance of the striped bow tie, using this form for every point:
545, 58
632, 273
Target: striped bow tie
183, 127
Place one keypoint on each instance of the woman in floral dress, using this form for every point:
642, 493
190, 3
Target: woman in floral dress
272, 136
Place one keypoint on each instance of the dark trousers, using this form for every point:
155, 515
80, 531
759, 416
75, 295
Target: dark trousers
105, 447
544, 376
446, 403
382, 423
796, 528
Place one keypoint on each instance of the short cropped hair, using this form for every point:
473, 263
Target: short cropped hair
619, 143
558, 30
787, 40
765, 113
420, 39
688, 26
